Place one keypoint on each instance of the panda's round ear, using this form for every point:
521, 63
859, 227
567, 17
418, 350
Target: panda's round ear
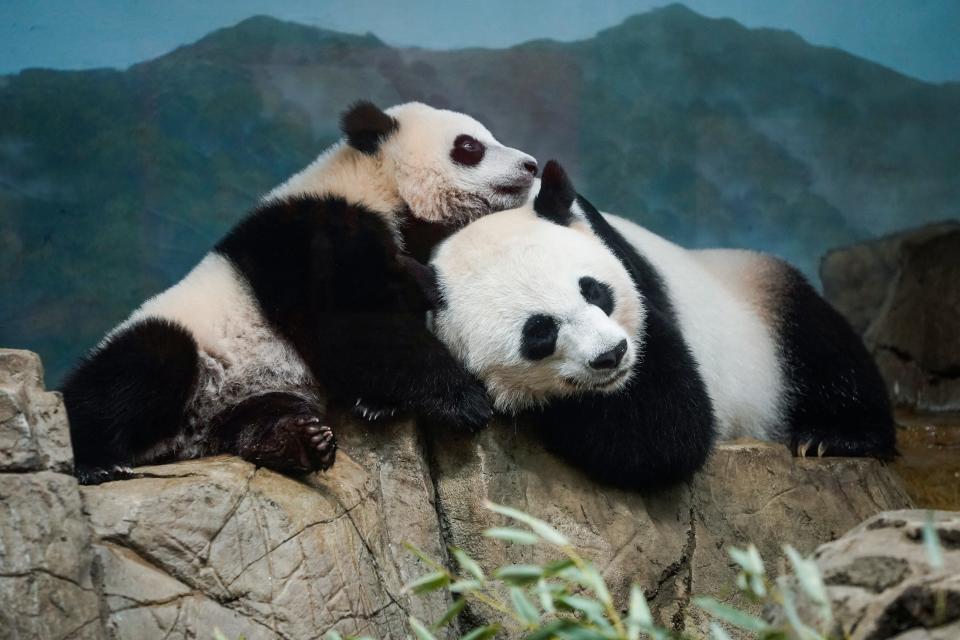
366, 126
556, 195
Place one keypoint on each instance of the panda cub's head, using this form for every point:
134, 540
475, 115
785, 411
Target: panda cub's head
535, 305
446, 166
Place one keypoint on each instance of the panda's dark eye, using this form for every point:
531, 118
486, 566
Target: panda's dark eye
467, 150
539, 337
597, 293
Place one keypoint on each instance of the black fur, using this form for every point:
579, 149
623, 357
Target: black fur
597, 293
128, 395
366, 126
328, 277
556, 195
539, 337
660, 429
839, 404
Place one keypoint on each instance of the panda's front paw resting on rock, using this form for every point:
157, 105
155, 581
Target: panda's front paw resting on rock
469, 408
372, 411
822, 446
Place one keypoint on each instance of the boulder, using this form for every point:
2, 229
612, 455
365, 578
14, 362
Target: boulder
47, 587
902, 293
218, 543
882, 585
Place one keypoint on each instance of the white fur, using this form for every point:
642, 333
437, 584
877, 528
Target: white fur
413, 167
240, 353
734, 348
498, 271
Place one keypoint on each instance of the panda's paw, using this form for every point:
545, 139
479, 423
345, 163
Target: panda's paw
296, 442
373, 412
98, 475
470, 409
811, 448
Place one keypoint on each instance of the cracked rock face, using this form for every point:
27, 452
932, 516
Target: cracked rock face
882, 585
902, 293
47, 588
218, 543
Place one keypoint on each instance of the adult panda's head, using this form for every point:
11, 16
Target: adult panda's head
534, 304
444, 165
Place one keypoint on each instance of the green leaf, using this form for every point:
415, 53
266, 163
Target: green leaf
808, 575
415, 550
523, 606
556, 567
549, 630
218, 635
464, 586
733, 616
596, 582
451, 613
638, 615
517, 536
468, 564
590, 608
332, 635
538, 526
545, 595
428, 583
931, 542
420, 630
482, 633
749, 559
717, 632
519, 574
579, 632
801, 631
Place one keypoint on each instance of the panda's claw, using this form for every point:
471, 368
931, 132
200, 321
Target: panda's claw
802, 448
821, 449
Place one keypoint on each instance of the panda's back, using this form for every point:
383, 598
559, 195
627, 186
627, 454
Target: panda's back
240, 354
732, 342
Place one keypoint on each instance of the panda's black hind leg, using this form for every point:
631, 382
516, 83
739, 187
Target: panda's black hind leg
129, 395
277, 430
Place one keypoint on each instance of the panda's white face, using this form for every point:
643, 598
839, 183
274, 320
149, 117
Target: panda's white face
535, 309
449, 167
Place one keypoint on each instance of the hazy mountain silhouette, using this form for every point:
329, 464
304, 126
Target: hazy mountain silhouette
114, 183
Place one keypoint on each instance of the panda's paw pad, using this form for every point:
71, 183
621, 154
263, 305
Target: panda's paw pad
323, 443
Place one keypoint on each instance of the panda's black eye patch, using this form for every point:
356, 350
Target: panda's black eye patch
539, 337
467, 150
597, 293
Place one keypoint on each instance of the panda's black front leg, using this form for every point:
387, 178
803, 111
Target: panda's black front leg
382, 365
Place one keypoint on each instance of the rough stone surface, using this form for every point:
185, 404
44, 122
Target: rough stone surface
882, 585
246, 549
902, 293
34, 433
670, 542
217, 543
47, 588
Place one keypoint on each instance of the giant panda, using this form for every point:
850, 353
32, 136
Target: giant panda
308, 298
631, 356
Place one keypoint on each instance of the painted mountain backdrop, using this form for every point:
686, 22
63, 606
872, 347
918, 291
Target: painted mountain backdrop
114, 183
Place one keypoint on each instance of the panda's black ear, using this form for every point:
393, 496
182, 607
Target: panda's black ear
556, 195
366, 126
425, 275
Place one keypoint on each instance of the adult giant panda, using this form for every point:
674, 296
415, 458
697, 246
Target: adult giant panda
633, 369
308, 298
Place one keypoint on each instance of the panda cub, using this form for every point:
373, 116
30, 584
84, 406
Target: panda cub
308, 298
631, 355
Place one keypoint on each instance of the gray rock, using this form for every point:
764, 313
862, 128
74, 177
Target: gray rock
46, 590
34, 433
882, 585
902, 293
671, 542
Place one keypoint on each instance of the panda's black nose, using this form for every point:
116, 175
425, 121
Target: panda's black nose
610, 359
530, 166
